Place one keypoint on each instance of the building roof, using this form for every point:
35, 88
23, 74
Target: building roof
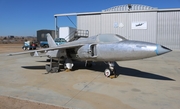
122, 9
129, 7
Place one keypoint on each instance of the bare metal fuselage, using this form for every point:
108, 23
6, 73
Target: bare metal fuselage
120, 51
124, 50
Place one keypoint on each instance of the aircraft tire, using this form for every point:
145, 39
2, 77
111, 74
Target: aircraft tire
28, 48
24, 48
107, 72
48, 68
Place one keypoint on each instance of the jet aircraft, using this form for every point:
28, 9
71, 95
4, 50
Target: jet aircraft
107, 48
140, 24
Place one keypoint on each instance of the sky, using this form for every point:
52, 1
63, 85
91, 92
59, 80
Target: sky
25, 17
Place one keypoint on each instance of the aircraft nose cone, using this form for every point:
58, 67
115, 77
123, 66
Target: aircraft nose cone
162, 50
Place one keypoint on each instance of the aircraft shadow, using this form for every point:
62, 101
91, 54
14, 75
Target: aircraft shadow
41, 61
101, 66
48, 60
34, 67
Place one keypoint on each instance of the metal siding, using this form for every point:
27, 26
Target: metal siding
108, 21
91, 23
148, 34
163, 27
169, 29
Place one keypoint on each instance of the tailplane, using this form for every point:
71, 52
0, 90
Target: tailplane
50, 40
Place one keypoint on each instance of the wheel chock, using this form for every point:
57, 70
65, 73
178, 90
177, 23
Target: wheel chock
112, 76
67, 70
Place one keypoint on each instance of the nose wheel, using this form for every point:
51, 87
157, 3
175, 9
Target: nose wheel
107, 72
110, 72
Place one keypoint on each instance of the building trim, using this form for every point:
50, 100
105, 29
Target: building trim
131, 11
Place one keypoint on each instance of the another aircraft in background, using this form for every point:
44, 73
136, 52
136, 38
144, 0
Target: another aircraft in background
104, 47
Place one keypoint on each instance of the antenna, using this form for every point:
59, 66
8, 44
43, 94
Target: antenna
129, 7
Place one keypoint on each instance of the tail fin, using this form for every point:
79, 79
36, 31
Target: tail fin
50, 40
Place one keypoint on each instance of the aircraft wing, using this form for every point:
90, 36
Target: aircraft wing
35, 52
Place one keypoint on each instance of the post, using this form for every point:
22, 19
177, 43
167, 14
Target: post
56, 27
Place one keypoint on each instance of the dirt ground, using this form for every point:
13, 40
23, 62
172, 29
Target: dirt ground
8, 48
14, 103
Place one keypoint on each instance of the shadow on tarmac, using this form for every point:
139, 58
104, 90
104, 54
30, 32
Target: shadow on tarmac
34, 67
101, 66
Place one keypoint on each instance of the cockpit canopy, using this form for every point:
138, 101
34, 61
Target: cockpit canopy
105, 38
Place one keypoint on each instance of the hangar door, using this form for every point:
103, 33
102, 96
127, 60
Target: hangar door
115, 23
169, 29
140, 26
89, 22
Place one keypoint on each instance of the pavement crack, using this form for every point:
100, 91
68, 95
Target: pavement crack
81, 90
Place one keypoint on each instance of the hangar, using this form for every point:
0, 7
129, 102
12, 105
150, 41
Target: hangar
133, 21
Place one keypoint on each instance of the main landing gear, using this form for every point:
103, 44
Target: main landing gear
54, 67
110, 72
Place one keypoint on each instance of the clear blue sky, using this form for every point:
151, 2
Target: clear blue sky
25, 17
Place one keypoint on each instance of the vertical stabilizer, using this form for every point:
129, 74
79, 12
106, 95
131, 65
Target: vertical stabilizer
50, 40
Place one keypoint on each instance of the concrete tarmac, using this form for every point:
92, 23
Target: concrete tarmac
152, 83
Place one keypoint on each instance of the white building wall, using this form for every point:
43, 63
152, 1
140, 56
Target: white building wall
91, 23
147, 31
161, 26
169, 29
115, 23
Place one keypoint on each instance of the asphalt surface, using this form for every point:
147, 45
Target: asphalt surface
152, 83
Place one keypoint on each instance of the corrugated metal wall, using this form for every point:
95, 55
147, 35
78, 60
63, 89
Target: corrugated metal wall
163, 27
169, 29
121, 23
148, 34
91, 23
115, 23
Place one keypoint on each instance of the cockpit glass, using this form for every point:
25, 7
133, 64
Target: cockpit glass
110, 38
60, 40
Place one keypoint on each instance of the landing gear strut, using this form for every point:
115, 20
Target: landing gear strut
88, 64
53, 67
110, 72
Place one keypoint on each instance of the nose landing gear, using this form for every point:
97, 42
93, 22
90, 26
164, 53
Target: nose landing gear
110, 72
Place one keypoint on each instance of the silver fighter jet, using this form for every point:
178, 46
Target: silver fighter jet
104, 47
